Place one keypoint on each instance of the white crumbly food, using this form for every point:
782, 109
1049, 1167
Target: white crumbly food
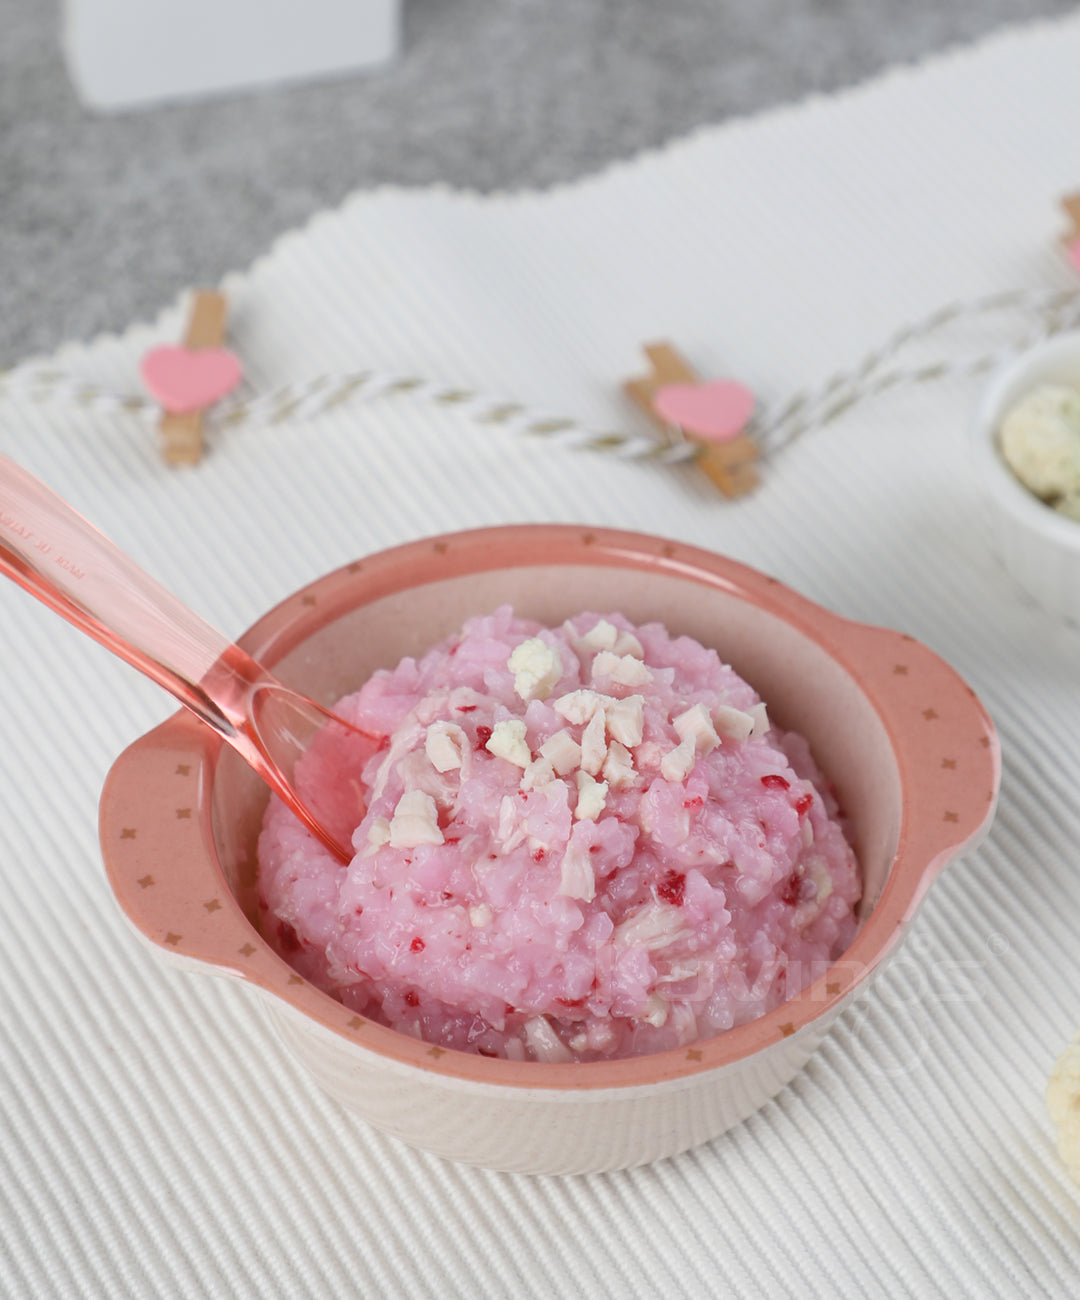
601, 760
677, 763
624, 669
696, 727
445, 745
606, 636
536, 668
415, 821
578, 707
378, 834
1040, 440
592, 795
594, 744
562, 751
625, 719
733, 723
537, 775
1063, 1103
619, 765
577, 879
508, 741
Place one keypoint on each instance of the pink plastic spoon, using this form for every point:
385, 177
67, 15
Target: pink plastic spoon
56, 555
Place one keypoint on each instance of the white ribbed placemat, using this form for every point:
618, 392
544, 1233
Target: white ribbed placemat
154, 1139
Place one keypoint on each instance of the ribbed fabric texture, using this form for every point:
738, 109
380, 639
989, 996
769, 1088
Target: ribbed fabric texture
155, 1140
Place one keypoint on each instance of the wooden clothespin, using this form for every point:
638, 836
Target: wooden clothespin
186, 380
1071, 238
714, 415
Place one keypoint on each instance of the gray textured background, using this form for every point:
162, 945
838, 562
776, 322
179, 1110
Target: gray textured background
104, 219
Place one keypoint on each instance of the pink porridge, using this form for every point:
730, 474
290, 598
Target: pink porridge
577, 843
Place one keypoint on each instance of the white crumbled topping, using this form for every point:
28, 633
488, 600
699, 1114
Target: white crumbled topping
576, 878
415, 821
544, 1043
678, 763
733, 724
445, 745
760, 714
683, 1024
818, 891
511, 829
618, 766
403, 742
1040, 439
678, 971
696, 726
417, 773
537, 775
579, 1042
592, 795
508, 741
579, 706
601, 637
480, 915
536, 668
624, 669
628, 644
653, 926
656, 1010
1063, 1103
378, 834
594, 744
562, 751
626, 720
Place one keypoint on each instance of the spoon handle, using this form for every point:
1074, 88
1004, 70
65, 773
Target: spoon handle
55, 554
51, 551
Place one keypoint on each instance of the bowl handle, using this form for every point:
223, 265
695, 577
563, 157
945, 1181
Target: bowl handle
165, 874
945, 742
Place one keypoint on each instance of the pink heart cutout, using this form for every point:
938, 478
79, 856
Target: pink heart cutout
189, 379
717, 411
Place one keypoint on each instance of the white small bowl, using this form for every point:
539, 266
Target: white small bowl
1038, 547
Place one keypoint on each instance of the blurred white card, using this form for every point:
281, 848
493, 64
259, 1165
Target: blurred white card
124, 53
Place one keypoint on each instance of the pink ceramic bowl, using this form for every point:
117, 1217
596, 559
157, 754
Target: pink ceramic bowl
911, 751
